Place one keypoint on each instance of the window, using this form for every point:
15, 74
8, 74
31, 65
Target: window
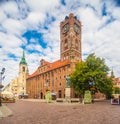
23, 69
66, 44
53, 83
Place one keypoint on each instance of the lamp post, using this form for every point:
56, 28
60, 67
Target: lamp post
92, 91
1, 86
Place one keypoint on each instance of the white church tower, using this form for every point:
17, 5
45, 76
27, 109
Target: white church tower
23, 73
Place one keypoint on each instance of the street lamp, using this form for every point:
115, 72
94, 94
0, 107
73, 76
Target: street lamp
1, 86
92, 84
92, 90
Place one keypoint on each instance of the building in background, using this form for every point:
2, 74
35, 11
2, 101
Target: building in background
7, 88
52, 76
116, 87
23, 74
18, 85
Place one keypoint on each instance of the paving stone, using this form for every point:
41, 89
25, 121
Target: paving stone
37, 112
5, 111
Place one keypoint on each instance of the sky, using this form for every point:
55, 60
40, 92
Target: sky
34, 26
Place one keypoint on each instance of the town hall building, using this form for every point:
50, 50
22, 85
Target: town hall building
51, 76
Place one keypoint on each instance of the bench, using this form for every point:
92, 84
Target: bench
59, 100
74, 100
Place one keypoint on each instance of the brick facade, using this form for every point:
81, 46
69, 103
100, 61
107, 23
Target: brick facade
52, 76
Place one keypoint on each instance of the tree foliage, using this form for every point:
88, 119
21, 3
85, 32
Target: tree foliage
92, 74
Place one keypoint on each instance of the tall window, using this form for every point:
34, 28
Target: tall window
66, 44
53, 83
23, 69
60, 94
76, 44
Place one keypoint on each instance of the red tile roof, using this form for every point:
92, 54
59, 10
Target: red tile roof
116, 81
58, 64
51, 66
34, 74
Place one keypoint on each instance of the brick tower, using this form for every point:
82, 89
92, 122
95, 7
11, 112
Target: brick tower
70, 39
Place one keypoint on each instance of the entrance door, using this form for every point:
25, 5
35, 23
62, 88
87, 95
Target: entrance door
60, 94
41, 95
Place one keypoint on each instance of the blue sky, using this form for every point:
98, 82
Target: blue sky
33, 26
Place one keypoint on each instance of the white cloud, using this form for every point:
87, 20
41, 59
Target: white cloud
116, 12
12, 26
9, 41
100, 34
10, 9
42, 5
34, 20
2, 16
34, 47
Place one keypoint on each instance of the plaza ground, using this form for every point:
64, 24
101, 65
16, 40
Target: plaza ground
40, 112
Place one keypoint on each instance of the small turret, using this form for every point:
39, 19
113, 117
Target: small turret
112, 74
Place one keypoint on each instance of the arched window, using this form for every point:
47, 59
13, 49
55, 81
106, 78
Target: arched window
23, 69
76, 44
66, 44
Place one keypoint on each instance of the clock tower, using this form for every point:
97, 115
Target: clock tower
70, 39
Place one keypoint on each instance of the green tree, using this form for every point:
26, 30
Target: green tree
78, 78
92, 74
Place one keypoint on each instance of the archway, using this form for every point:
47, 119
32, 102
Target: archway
60, 94
41, 95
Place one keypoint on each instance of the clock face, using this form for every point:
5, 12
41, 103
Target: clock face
77, 28
65, 28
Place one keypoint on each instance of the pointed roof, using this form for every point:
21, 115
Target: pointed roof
112, 73
23, 61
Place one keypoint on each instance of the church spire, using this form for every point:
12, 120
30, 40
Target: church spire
23, 61
112, 73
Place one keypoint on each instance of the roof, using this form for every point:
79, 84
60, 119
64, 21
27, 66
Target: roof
58, 64
23, 61
51, 66
34, 74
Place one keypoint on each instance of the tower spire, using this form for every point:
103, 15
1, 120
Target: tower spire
112, 73
23, 61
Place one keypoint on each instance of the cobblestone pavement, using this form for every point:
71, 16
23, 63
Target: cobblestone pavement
31, 112
5, 111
